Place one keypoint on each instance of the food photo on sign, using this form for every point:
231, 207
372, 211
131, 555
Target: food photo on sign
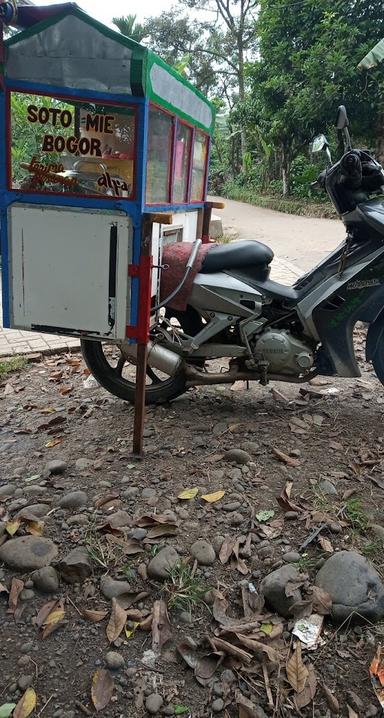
81, 148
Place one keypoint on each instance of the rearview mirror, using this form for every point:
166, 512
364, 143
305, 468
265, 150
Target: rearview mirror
342, 118
319, 143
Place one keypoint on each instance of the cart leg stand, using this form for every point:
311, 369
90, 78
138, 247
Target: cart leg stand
145, 275
207, 214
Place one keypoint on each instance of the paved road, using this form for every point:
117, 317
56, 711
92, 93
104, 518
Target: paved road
303, 241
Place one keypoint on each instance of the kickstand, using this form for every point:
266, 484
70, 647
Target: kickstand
247, 382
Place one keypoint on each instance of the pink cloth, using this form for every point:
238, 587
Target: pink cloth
176, 256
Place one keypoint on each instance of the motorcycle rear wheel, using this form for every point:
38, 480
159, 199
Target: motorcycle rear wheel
117, 375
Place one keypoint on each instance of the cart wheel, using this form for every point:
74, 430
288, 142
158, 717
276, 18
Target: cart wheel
117, 375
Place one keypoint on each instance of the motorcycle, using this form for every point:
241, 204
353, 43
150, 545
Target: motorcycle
265, 330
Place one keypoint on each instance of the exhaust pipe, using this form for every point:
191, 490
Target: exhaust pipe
159, 357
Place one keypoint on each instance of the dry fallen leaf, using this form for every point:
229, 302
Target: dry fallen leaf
26, 704
16, 588
333, 703
351, 712
307, 695
53, 620
297, 672
247, 709
12, 527
54, 442
188, 494
325, 544
117, 621
102, 689
289, 460
94, 616
321, 600
212, 498
284, 500
161, 627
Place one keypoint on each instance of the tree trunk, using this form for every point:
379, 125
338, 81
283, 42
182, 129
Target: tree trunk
380, 135
285, 169
241, 81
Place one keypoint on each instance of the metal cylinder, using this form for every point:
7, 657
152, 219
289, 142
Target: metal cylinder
159, 357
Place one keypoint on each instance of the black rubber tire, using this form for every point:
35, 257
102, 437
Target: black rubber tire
110, 380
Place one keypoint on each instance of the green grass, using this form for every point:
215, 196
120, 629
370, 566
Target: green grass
356, 515
373, 550
184, 589
9, 366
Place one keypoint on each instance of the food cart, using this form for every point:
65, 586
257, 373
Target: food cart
104, 156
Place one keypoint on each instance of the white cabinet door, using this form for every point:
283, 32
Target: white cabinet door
69, 270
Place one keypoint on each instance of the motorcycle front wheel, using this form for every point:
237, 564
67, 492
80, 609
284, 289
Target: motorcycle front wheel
117, 375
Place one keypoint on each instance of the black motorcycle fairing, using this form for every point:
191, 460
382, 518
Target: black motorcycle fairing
360, 298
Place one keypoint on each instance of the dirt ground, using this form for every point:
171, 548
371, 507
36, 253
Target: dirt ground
51, 410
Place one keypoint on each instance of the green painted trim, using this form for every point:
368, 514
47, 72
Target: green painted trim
158, 100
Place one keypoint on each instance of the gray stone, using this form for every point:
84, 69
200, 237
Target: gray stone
203, 552
26, 647
378, 531
7, 490
354, 586
327, 487
161, 564
234, 474
73, 500
76, 567
83, 464
153, 703
291, 515
148, 493
17, 504
251, 446
28, 552
217, 542
236, 519
25, 681
78, 520
218, 705
113, 589
238, 456
228, 676
185, 617
131, 492
38, 510
291, 557
27, 594
138, 534
46, 580
232, 506
114, 660
57, 466
273, 589
35, 490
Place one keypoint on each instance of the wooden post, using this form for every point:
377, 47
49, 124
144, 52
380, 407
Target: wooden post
207, 214
145, 275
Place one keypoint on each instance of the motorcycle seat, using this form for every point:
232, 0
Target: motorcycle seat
237, 254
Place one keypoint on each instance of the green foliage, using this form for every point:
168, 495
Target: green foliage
129, 26
184, 589
356, 515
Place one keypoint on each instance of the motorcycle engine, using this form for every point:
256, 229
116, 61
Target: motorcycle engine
284, 353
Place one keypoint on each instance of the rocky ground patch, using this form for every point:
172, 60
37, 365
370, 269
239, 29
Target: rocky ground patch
194, 581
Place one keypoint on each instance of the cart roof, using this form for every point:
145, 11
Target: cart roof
64, 47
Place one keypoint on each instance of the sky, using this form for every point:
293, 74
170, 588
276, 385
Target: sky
105, 10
